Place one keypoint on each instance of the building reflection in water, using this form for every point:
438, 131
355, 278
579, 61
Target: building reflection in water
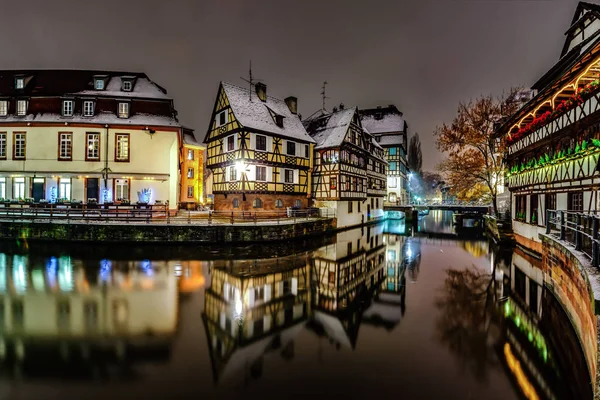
255, 308
508, 315
91, 315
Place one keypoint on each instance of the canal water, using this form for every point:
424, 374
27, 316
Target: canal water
369, 312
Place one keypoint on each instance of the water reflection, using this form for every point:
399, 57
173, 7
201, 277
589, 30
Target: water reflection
363, 313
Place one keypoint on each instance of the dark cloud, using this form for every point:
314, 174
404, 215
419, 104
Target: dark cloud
423, 55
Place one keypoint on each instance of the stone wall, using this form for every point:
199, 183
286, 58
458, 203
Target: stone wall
163, 233
568, 275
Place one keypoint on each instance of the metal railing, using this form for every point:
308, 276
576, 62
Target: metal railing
155, 214
578, 229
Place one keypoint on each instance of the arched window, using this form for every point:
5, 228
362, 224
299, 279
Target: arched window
278, 203
236, 203
298, 203
257, 203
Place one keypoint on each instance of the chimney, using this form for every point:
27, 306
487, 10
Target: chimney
341, 106
261, 91
334, 109
292, 104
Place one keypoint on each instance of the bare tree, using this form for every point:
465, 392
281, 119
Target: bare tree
415, 156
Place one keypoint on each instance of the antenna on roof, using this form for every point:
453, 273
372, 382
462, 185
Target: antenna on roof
250, 80
323, 94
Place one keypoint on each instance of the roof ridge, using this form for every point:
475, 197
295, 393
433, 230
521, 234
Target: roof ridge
243, 88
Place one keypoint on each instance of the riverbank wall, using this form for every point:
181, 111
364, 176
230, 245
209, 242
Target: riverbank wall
163, 233
573, 280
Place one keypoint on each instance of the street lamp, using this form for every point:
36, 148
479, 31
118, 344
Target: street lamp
241, 167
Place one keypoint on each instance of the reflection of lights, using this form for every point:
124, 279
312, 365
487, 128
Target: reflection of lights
51, 268
177, 270
2, 272
240, 166
409, 252
65, 274
19, 274
238, 306
37, 279
515, 366
147, 267
105, 270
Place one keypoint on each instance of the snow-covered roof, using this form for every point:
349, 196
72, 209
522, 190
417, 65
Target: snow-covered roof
390, 140
255, 114
190, 140
382, 120
143, 88
100, 118
387, 312
334, 328
334, 131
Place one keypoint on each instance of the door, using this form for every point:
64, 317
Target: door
92, 191
37, 190
368, 211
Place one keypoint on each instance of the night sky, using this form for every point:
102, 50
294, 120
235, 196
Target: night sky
422, 55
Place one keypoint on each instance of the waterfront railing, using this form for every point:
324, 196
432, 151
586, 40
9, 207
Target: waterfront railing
155, 214
578, 229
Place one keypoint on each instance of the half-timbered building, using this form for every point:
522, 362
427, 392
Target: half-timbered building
554, 139
259, 153
349, 167
88, 136
388, 126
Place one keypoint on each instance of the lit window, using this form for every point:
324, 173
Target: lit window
123, 110
3, 145
190, 192
333, 183
3, 108
20, 83
257, 203
22, 107
127, 85
88, 108
278, 203
67, 108
19, 142
261, 173
2, 187
18, 188
190, 173
65, 146
190, 154
122, 189
393, 151
122, 147
393, 166
93, 146
99, 84
64, 188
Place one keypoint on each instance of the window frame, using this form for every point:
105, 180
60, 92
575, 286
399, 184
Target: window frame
256, 176
190, 173
235, 203
22, 113
20, 83
232, 139
99, 80
3, 145
64, 183
257, 203
69, 136
190, 187
18, 181
278, 203
225, 115
256, 142
93, 108
87, 144
116, 183
65, 111
118, 157
287, 148
24, 156
190, 155
123, 106
285, 175
126, 82
4, 104
232, 174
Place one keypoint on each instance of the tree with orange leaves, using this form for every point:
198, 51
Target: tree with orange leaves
474, 166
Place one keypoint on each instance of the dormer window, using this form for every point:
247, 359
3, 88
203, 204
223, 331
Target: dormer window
19, 83
127, 86
67, 108
99, 83
88, 108
123, 110
22, 107
279, 121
